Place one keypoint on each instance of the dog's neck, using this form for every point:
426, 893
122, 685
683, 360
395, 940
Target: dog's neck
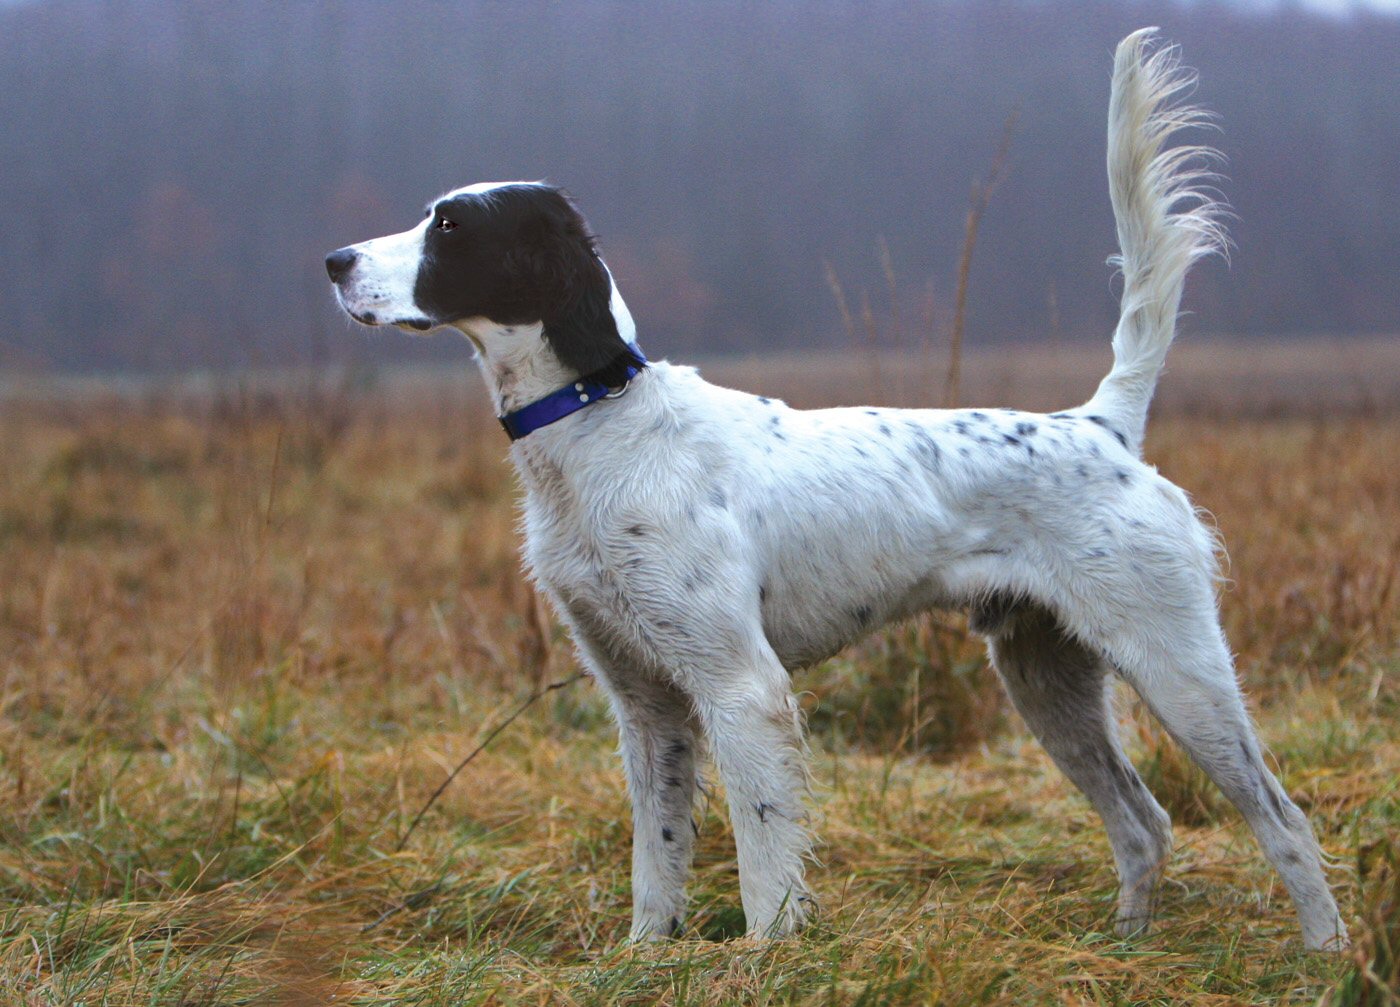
517, 362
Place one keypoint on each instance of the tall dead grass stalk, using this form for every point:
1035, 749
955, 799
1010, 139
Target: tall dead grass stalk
978, 201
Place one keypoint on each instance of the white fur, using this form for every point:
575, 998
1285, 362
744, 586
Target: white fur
701, 543
380, 289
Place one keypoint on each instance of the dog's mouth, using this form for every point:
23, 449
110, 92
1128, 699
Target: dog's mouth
416, 323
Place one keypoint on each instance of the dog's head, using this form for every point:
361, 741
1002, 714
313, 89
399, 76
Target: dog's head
511, 254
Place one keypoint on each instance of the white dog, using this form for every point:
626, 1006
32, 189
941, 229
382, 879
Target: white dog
702, 543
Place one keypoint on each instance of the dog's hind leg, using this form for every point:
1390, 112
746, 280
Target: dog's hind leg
658, 742
1193, 692
1059, 688
1155, 620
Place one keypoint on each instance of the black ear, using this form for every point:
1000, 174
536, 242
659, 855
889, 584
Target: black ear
561, 261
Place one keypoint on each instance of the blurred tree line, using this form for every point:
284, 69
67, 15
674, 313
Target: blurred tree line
173, 172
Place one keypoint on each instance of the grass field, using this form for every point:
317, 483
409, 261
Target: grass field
246, 633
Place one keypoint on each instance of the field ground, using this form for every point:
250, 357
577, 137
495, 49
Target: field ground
246, 631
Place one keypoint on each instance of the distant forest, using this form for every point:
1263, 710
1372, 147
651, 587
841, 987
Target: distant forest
172, 173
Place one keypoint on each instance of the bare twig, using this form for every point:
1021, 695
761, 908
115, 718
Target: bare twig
896, 327
981, 195
535, 697
872, 345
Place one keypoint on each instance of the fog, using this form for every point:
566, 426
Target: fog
173, 173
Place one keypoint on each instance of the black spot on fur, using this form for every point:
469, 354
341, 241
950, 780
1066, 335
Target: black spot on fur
763, 810
872, 412
1100, 421
635, 529
1124, 476
1025, 429
766, 401
979, 417
762, 594
668, 837
885, 429
1010, 439
862, 616
861, 451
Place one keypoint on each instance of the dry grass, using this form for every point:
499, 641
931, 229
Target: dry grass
246, 634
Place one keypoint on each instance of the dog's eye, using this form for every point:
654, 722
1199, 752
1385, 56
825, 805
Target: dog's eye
444, 224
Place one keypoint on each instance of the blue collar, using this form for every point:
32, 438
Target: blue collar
568, 400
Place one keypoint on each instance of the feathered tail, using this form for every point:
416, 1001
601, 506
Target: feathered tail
1166, 217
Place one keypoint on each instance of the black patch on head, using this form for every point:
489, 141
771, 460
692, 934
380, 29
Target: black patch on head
521, 254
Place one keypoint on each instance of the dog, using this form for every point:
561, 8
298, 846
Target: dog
700, 544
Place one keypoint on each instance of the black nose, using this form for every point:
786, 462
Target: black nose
339, 262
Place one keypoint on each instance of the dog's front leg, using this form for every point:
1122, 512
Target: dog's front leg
753, 726
658, 744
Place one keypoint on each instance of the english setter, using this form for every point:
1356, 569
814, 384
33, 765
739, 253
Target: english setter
701, 544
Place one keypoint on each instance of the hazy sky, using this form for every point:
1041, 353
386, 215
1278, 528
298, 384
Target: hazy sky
1389, 6
1334, 6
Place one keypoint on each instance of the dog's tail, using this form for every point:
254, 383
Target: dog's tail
1166, 218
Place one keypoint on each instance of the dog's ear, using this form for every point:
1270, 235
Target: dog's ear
559, 264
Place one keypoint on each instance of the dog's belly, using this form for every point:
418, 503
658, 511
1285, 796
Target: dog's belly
805, 631
883, 560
